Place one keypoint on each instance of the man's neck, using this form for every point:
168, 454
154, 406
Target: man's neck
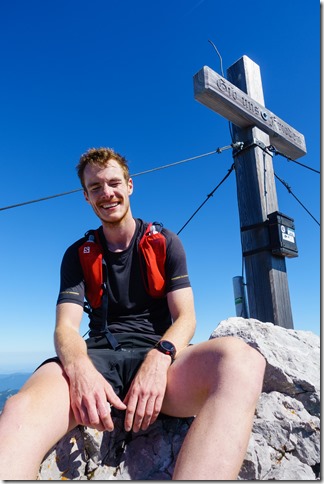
119, 235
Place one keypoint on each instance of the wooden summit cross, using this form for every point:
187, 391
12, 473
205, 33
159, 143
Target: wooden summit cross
240, 100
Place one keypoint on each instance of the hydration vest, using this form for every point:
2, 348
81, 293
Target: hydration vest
152, 254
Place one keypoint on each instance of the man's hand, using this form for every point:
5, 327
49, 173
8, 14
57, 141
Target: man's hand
145, 397
91, 397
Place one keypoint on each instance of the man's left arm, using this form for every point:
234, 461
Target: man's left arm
145, 396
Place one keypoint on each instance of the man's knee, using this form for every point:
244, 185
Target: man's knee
17, 405
238, 348
240, 361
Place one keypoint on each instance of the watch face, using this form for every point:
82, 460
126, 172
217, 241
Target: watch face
166, 345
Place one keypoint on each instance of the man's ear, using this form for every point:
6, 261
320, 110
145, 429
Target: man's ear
130, 186
85, 194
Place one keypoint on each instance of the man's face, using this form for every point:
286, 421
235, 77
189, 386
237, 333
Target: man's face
108, 192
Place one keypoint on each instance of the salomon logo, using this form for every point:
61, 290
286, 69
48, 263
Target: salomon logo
86, 250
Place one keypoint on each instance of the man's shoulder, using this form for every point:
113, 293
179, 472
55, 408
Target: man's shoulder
159, 226
168, 233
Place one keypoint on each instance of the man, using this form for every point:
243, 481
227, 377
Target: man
219, 381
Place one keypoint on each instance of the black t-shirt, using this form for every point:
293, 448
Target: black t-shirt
130, 308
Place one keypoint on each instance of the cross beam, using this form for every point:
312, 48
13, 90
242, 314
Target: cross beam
237, 106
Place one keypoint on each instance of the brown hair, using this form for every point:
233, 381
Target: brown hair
100, 157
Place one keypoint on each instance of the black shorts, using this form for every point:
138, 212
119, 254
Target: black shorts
117, 367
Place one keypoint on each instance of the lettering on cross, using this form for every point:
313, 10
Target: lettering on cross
217, 93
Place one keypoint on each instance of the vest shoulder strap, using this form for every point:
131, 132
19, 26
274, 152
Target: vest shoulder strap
152, 248
91, 259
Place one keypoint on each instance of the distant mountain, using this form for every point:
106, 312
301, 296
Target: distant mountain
13, 381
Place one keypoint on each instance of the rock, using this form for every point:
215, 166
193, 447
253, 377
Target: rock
285, 439
86, 454
293, 357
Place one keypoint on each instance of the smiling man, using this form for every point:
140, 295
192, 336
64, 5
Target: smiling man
137, 359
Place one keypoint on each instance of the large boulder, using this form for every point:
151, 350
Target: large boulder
285, 440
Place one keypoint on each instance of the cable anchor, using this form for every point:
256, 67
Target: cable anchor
237, 145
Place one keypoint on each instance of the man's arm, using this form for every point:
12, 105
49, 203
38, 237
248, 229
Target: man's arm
145, 396
182, 309
89, 391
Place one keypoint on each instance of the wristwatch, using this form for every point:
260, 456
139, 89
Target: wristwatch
167, 348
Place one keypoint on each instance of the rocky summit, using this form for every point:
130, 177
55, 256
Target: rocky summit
285, 439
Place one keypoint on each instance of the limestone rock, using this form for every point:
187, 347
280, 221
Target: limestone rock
293, 357
285, 440
86, 454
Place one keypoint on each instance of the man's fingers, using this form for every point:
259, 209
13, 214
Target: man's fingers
153, 408
130, 411
81, 415
115, 401
104, 412
140, 414
77, 414
94, 413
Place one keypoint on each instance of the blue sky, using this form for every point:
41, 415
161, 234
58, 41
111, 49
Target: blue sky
77, 74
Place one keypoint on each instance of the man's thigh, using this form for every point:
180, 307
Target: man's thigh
186, 387
48, 397
202, 368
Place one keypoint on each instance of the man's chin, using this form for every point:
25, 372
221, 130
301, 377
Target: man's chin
113, 220
115, 217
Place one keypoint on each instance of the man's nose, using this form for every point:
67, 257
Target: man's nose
107, 190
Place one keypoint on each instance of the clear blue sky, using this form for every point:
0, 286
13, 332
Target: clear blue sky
77, 74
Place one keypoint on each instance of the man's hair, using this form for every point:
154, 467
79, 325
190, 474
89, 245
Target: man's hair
101, 157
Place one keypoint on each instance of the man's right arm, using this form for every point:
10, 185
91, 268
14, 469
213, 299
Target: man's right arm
89, 391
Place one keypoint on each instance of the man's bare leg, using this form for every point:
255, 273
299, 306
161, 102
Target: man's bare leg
32, 422
220, 381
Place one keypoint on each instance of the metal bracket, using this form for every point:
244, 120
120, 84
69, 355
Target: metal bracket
255, 142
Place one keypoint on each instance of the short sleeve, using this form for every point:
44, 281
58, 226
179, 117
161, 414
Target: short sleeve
71, 277
177, 276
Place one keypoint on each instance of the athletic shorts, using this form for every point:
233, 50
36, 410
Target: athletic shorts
118, 367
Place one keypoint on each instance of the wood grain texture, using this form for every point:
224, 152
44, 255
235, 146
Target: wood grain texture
231, 100
266, 276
